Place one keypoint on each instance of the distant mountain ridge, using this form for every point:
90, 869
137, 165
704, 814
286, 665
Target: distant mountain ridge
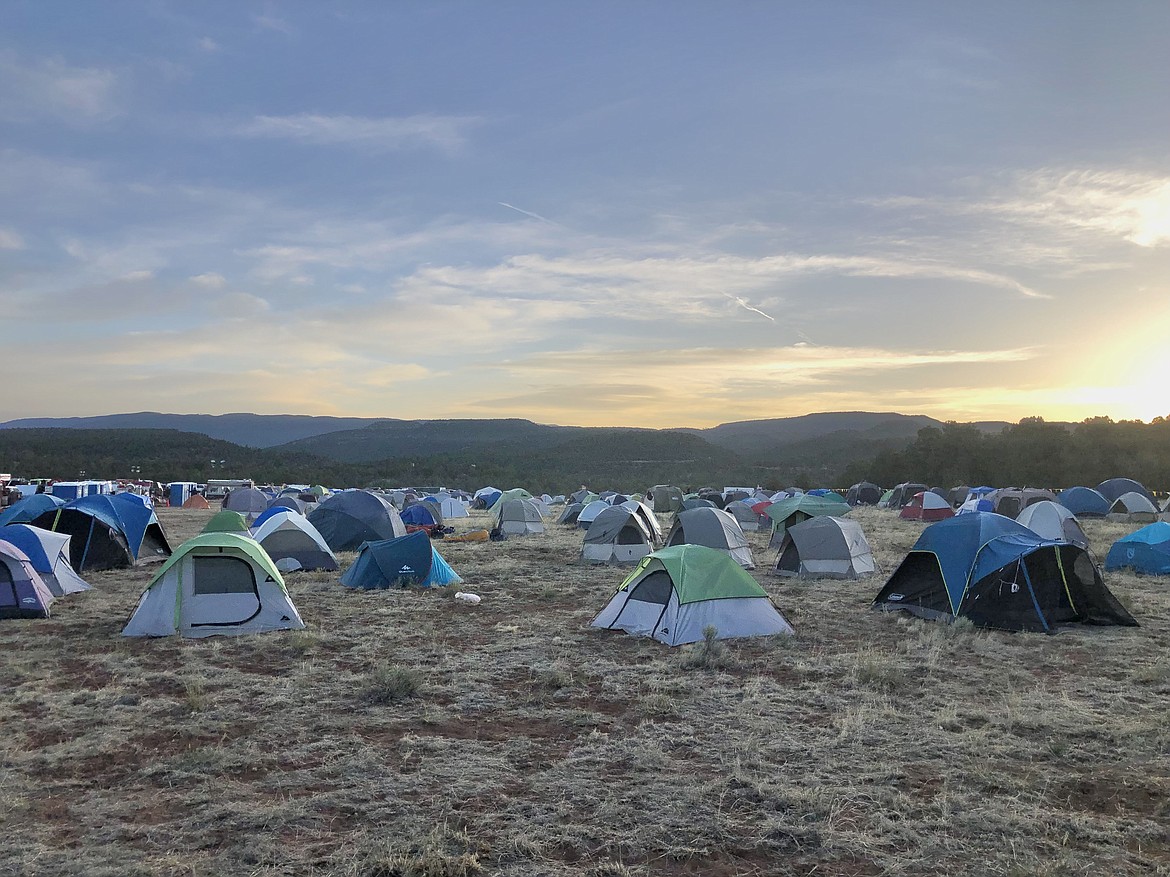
370, 439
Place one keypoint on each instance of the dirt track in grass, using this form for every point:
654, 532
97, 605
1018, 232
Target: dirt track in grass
404, 733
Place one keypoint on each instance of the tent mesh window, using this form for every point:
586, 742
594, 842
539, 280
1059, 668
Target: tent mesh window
918, 587
223, 575
1094, 602
655, 588
9, 600
1007, 598
284, 542
630, 536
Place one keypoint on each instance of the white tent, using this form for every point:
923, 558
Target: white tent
1053, 521
217, 584
591, 511
293, 543
453, 508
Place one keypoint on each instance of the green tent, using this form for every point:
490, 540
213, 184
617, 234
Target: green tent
227, 521
795, 509
674, 593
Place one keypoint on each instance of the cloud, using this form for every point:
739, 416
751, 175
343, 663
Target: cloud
11, 240
210, 280
387, 133
272, 23
207, 44
49, 87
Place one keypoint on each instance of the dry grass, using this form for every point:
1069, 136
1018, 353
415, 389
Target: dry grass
405, 733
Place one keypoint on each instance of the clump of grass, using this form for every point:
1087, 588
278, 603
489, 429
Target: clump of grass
960, 626
299, 643
195, 693
390, 683
444, 853
611, 869
709, 654
553, 678
876, 671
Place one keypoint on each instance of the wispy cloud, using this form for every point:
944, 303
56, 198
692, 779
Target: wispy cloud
269, 21
49, 87
207, 44
447, 133
743, 304
526, 212
11, 240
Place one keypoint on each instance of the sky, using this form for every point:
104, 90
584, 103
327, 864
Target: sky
651, 214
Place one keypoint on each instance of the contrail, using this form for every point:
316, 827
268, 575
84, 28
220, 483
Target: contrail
743, 304
527, 212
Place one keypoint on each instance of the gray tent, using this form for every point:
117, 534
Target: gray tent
519, 517
747, 519
648, 518
246, 500
665, 498
1133, 507
617, 535
713, 528
825, 547
1010, 501
569, 515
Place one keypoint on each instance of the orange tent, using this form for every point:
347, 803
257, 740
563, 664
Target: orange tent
197, 501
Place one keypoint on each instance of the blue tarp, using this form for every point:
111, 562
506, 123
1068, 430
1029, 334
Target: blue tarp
1146, 551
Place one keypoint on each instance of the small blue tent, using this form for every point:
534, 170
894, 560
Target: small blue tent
419, 515
407, 560
49, 555
1145, 551
998, 573
29, 508
1084, 502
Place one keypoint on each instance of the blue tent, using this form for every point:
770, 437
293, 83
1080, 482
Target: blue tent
1084, 502
998, 573
29, 508
130, 531
1145, 551
1115, 487
419, 515
48, 554
407, 560
346, 520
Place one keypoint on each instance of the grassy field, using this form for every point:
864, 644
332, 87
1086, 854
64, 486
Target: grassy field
404, 733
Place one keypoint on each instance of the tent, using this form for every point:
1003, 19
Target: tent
1145, 551
887, 498
420, 515
30, 508
396, 563
452, 508
23, 594
903, 493
665, 498
648, 517
713, 528
863, 493
926, 506
246, 500
109, 532
998, 573
519, 517
1053, 521
825, 547
48, 553
1115, 487
293, 503
696, 502
744, 515
226, 521
1010, 501
1133, 507
617, 535
569, 514
293, 543
674, 593
590, 511
976, 504
1084, 502
217, 584
197, 501
347, 519
795, 509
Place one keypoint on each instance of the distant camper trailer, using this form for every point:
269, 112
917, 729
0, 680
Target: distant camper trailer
217, 489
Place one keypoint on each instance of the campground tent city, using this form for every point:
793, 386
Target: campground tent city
864, 681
